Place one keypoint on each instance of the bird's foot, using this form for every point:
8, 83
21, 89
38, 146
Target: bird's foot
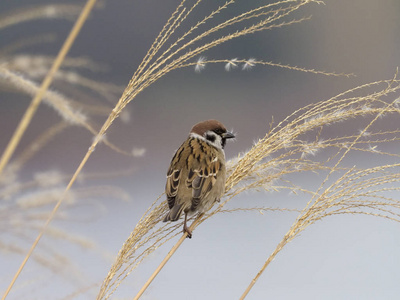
187, 230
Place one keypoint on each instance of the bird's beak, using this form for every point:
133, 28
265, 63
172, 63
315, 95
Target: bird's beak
228, 135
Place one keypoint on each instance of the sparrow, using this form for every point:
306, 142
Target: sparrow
197, 173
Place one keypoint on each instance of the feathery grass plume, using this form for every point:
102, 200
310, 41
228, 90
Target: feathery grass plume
15, 166
248, 64
164, 57
231, 64
25, 42
26, 63
138, 152
36, 67
365, 192
21, 214
50, 260
200, 64
280, 153
80, 292
37, 12
55, 100
60, 103
25, 205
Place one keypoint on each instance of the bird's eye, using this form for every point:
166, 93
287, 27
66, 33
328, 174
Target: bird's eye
219, 131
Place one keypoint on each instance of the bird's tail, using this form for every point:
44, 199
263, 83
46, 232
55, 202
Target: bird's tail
174, 214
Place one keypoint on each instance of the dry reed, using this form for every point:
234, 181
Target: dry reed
24, 206
63, 105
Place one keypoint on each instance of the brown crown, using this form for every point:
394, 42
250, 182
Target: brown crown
203, 127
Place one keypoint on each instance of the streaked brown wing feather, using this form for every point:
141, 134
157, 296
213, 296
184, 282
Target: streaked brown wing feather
171, 187
174, 173
202, 181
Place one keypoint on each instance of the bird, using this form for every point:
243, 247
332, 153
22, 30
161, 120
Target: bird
197, 173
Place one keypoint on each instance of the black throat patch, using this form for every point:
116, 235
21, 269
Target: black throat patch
210, 137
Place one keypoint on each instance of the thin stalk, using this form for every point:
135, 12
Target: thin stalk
267, 262
165, 260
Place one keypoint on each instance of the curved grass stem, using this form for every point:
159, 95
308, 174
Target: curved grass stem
166, 259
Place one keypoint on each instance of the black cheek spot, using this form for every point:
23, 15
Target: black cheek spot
210, 137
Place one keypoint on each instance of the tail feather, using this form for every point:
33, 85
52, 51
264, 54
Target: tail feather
174, 214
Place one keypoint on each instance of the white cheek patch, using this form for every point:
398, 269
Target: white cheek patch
218, 139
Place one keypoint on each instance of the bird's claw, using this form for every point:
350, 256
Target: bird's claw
187, 230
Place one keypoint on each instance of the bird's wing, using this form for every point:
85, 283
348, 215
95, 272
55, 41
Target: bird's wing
202, 179
174, 174
171, 187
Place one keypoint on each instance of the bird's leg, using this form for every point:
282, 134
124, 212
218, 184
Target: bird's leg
186, 228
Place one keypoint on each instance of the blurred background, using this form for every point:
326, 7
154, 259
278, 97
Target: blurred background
346, 257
